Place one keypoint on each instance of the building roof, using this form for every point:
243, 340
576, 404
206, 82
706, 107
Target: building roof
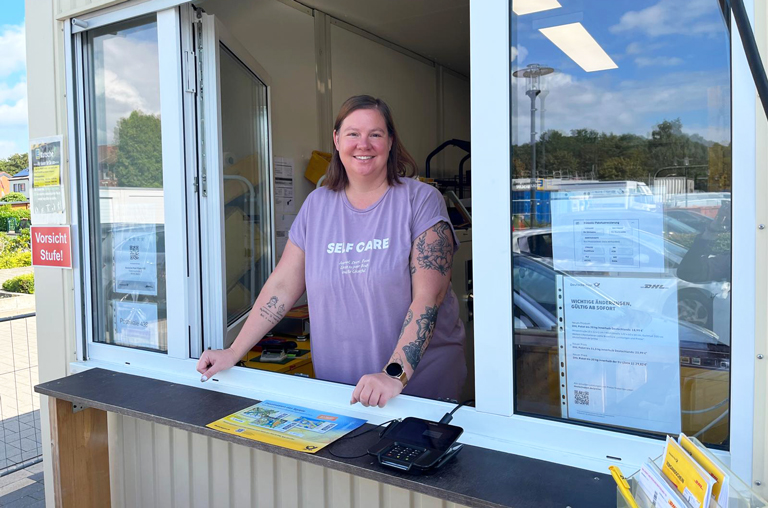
24, 173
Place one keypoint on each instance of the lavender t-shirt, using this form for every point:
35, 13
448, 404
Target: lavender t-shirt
359, 286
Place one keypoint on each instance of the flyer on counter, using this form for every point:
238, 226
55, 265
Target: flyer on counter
293, 427
607, 230
690, 479
622, 353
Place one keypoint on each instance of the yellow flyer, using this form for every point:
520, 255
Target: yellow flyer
721, 478
690, 479
294, 427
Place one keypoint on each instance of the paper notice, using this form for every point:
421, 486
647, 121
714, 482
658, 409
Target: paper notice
136, 324
622, 352
284, 188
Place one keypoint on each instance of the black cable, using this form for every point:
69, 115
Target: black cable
751, 51
449, 416
353, 437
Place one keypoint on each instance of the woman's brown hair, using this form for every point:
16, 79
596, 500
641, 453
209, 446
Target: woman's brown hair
399, 163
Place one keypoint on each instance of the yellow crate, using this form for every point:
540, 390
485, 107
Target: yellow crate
318, 165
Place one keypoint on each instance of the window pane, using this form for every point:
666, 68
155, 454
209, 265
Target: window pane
126, 175
246, 184
621, 179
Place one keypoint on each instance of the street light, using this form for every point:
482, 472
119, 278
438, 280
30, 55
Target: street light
532, 75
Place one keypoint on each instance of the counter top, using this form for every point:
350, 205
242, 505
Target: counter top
476, 477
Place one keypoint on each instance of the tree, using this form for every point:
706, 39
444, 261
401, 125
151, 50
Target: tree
14, 163
139, 151
14, 197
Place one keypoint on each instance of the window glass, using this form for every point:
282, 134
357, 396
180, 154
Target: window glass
244, 121
621, 180
126, 176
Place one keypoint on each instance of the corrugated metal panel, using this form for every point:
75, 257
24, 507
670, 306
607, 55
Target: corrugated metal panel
156, 466
68, 8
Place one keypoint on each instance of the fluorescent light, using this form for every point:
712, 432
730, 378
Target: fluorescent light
574, 40
522, 7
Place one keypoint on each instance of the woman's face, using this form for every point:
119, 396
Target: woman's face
363, 144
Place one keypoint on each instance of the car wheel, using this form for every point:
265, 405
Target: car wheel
695, 308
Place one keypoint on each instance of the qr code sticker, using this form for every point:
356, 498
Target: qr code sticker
134, 252
582, 397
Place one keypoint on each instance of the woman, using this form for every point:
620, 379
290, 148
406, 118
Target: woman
374, 252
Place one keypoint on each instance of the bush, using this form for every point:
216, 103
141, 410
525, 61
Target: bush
14, 197
21, 284
15, 260
6, 211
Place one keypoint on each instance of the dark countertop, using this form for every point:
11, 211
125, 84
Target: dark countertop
476, 477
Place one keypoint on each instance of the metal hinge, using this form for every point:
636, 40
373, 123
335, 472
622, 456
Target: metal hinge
196, 185
190, 76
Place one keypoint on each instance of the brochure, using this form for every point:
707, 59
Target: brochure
657, 489
722, 481
690, 479
294, 427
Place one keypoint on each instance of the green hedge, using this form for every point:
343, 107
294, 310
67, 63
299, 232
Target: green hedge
21, 284
18, 213
15, 260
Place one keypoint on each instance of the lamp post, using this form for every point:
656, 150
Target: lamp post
532, 75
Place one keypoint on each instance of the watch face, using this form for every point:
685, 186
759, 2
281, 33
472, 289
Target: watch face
394, 369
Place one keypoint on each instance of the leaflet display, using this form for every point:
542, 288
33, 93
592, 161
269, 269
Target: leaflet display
294, 427
622, 354
607, 231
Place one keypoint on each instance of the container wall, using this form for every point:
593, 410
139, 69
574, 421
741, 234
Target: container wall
153, 465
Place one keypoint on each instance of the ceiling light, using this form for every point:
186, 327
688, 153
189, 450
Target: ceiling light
574, 40
522, 7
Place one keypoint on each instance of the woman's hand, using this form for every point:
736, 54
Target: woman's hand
213, 361
376, 390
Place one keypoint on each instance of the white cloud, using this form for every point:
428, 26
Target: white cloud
687, 17
14, 93
14, 115
8, 148
128, 81
631, 106
519, 54
658, 61
13, 42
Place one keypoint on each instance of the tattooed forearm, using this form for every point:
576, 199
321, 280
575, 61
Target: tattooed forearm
436, 255
426, 327
271, 312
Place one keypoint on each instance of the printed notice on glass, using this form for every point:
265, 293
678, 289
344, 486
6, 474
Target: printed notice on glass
136, 324
135, 254
46, 193
284, 191
622, 353
608, 231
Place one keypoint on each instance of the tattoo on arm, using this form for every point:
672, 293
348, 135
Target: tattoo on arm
408, 319
426, 327
436, 255
271, 312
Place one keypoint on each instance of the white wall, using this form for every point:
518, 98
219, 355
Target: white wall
282, 40
361, 66
456, 124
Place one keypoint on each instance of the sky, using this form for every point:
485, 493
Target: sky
672, 58
13, 80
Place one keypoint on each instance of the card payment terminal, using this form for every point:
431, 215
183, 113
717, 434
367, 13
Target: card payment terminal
417, 445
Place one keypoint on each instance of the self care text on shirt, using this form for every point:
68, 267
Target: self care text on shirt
342, 248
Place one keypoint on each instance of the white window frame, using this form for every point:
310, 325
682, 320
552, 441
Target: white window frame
493, 423
212, 230
174, 183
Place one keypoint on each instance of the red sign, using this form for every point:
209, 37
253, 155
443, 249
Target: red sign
51, 246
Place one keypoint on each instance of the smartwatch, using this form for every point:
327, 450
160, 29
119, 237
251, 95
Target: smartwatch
396, 371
